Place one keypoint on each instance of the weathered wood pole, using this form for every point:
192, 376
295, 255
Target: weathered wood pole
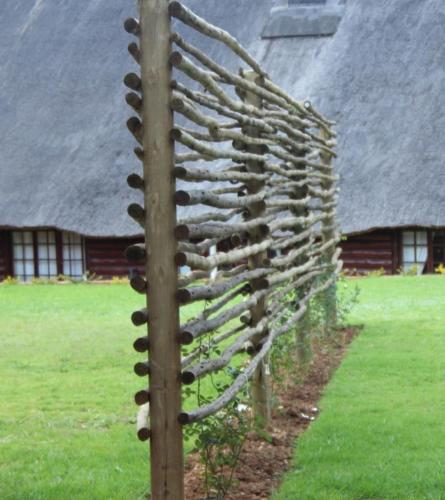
328, 232
260, 384
166, 445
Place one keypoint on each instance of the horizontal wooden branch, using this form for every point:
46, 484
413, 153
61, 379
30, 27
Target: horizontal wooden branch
135, 181
212, 343
205, 149
210, 216
215, 230
205, 100
182, 105
134, 51
131, 25
292, 255
324, 194
137, 212
191, 157
176, 9
218, 288
194, 72
142, 425
139, 152
133, 82
231, 257
133, 100
288, 242
142, 344
196, 197
136, 252
138, 284
194, 329
199, 174
289, 203
134, 125
142, 397
194, 372
185, 280
142, 369
281, 277
140, 317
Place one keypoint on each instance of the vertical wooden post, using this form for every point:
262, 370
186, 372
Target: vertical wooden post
166, 445
260, 384
328, 232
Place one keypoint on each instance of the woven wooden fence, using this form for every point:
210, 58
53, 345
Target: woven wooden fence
270, 196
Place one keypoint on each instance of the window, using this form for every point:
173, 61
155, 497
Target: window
73, 256
303, 18
23, 255
415, 250
46, 253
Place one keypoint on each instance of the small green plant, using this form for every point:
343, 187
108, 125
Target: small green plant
62, 278
10, 280
409, 271
376, 273
220, 439
88, 277
440, 269
120, 280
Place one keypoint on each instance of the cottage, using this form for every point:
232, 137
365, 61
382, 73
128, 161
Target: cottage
377, 68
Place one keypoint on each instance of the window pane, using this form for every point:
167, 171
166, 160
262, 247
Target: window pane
29, 252
77, 269
52, 269
66, 268
19, 269
27, 237
43, 252
408, 237
76, 253
16, 237
18, 252
43, 269
52, 252
421, 238
29, 268
438, 237
51, 237
41, 237
66, 252
421, 254
409, 254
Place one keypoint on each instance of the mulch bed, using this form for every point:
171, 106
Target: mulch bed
263, 463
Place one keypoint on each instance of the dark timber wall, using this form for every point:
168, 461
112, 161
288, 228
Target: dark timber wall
370, 251
5, 255
105, 257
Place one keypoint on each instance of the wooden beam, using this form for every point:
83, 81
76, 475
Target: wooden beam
260, 384
166, 444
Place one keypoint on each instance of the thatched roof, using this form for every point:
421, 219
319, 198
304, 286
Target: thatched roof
65, 152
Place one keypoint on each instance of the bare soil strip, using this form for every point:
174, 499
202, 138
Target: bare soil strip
263, 462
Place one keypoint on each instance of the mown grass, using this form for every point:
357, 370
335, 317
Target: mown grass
381, 434
66, 393
67, 385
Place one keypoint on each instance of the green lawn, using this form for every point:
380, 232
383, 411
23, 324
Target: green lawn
67, 413
381, 432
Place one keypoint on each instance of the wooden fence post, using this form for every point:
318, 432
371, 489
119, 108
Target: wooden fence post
166, 444
328, 232
260, 384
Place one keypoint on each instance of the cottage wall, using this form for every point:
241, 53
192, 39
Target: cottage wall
5, 255
371, 251
105, 257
